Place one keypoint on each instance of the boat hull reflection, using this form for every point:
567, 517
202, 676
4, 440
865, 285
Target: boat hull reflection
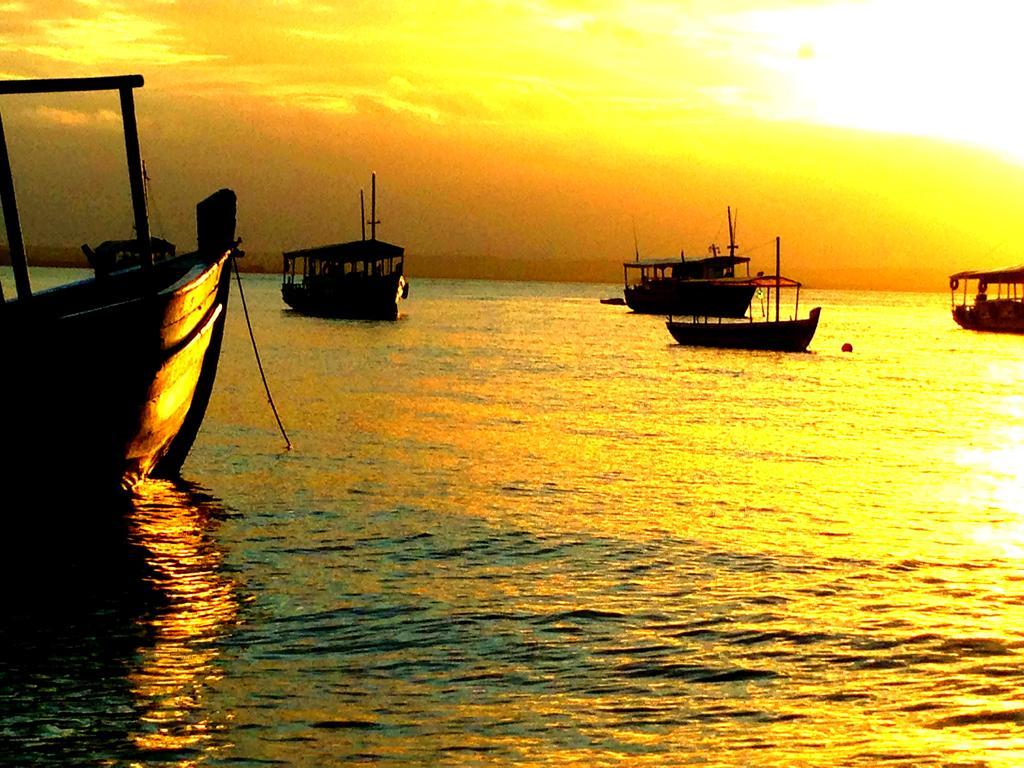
126, 626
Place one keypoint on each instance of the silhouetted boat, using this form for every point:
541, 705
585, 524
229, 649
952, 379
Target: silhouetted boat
701, 287
106, 380
1003, 313
362, 280
780, 335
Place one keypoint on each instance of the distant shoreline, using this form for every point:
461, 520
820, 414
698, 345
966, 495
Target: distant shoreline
568, 270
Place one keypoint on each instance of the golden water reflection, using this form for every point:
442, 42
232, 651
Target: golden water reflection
993, 473
197, 606
573, 542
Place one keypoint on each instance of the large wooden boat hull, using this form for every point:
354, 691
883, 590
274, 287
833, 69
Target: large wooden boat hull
781, 336
685, 297
360, 298
995, 315
107, 380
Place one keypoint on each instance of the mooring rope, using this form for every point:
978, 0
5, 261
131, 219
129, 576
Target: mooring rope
259, 363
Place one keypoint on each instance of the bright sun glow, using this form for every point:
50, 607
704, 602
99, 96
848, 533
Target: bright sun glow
914, 67
578, 113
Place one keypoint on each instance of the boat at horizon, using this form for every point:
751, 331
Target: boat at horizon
1003, 313
699, 287
792, 335
359, 280
107, 379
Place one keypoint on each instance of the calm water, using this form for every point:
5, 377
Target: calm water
520, 527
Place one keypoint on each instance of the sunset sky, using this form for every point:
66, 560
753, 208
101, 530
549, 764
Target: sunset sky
882, 140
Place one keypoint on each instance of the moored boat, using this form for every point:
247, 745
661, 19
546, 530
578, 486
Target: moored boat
777, 335
1001, 313
106, 380
792, 335
362, 279
698, 287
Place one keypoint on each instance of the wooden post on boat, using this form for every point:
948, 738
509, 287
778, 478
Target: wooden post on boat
15, 244
373, 206
732, 233
778, 279
362, 213
124, 85
135, 179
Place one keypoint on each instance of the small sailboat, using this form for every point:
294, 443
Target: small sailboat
792, 335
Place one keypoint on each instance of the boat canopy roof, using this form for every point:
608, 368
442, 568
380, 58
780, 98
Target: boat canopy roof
711, 261
763, 281
1007, 275
356, 250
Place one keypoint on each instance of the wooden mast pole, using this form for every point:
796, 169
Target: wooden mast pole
13, 223
362, 213
124, 84
778, 279
373, 206
732, 234
135, 178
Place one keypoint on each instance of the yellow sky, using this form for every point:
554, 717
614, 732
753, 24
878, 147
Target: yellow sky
881, 139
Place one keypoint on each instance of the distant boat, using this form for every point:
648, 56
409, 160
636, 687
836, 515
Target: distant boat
779, 335
106, 380
1002, 313
699, 287
615, 301
363, 279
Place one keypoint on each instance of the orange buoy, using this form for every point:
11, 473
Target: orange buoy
847, 347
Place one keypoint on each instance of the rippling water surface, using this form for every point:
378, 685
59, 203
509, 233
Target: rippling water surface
521, 527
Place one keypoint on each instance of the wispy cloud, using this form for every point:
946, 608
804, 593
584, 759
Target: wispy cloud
110, 36
76, 118
92, 33
397, 96
556, 64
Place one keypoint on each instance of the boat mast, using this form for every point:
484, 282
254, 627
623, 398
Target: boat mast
15, 244
778, 279
135, 174
732, 233
362, 213
373, 206
732, 242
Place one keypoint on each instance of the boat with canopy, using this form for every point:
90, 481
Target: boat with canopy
106, 379
783, 335
990, 300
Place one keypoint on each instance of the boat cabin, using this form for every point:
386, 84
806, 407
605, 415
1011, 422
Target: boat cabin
362, 279
989, 300
713, 268
123, 254
350, 262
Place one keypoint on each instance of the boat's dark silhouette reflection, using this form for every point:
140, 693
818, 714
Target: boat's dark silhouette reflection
112, 631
